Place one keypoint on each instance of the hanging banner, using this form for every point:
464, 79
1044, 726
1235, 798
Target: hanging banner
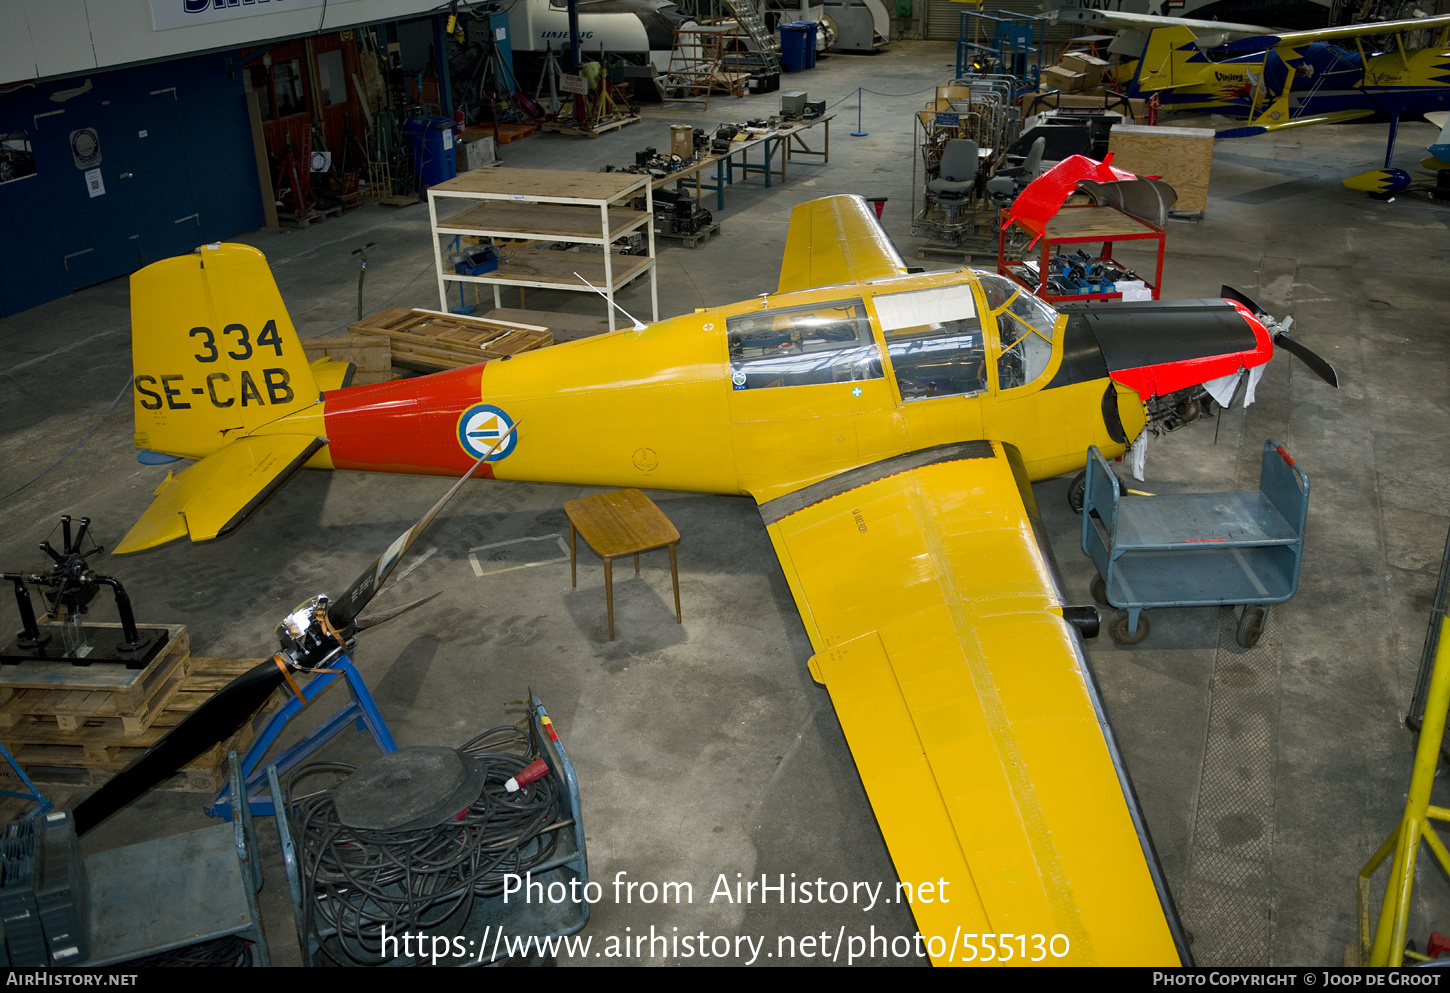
166, 14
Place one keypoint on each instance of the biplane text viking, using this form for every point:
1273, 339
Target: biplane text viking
888, 424
1288, 79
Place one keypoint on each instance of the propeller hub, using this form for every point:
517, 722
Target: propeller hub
307, 639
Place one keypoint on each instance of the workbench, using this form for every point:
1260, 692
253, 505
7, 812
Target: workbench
785, 144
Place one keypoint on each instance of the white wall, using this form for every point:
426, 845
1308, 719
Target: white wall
45, 38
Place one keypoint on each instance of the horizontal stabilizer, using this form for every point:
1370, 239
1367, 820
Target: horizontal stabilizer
836, 240
217, 493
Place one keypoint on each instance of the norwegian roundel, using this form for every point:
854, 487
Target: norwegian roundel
480, 428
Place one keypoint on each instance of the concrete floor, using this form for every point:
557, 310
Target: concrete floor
1267, 777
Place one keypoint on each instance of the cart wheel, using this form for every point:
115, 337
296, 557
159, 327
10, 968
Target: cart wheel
1099, 591
1076, 490
1120, 633
1251, 625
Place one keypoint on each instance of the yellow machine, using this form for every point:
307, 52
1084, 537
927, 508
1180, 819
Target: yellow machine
889, 425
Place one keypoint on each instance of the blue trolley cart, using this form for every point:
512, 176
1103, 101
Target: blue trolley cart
1196, 550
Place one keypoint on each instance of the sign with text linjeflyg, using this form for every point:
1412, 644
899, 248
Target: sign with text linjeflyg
167, 14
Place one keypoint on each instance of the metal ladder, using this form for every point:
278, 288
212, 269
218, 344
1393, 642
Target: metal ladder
748, 16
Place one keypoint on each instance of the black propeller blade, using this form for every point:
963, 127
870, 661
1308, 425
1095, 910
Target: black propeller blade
1316, 363
216, 720
219, 718
342, 613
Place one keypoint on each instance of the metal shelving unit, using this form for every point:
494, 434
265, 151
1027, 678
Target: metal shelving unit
549, 207
1079, 226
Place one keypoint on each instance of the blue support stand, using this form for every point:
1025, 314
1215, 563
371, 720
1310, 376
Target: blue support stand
859, 132
360, 709
32, 792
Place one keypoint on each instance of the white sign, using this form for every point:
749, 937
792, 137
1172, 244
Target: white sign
167, 14
574, 84
94, 183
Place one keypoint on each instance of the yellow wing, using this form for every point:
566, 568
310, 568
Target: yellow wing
836, 240
971, 712
1292, 39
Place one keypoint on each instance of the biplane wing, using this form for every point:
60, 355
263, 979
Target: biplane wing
928, 592
1293, 39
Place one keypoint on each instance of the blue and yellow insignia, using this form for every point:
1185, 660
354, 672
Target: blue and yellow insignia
481, 426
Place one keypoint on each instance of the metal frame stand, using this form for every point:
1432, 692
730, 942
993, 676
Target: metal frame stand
360, 709
44, 803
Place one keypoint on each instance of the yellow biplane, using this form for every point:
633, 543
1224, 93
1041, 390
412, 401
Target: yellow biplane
1380, 71
889, 425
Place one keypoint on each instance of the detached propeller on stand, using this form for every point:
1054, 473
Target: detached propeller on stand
1280, 333
311, 636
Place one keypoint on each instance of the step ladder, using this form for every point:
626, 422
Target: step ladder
747, 14
694, 64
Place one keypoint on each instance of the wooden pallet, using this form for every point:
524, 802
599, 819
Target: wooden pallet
506, 132
584, 131
370, 354
65, 697
302, 221
91, 754
429, 340
692, 240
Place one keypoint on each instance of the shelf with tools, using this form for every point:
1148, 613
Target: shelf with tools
1079, 225
541, 211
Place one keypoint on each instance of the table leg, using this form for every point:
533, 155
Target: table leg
609, 594
573, 569
675, 576
636, 561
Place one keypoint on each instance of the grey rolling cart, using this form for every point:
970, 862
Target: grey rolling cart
1196, 550
167, 894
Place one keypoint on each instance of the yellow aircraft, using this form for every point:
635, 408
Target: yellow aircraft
889, 425
1289, 79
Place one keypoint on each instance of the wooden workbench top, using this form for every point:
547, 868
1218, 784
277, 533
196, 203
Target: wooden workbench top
553, 184
562, 221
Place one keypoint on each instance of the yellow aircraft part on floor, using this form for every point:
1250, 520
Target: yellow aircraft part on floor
967, 702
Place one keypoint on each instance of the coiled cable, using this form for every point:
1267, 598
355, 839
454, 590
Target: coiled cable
360, 884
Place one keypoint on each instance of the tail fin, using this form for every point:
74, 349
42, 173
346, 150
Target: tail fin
1171, 59
214, 353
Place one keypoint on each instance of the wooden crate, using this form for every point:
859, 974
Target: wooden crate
1182, 157
427, 339
370, 354
94, 752
63, 697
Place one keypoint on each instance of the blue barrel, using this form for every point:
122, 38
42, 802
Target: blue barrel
432, 141
797, 45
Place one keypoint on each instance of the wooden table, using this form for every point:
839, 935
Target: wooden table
787, 143
623, 522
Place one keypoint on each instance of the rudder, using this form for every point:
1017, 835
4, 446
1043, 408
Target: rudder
214, 352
